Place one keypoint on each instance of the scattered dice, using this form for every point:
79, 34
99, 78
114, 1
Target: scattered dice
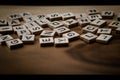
61, 30
60, 42
41, 16
5, 38
25, 14
54, 17
15, 16
68, 15
28, 39
99, 23
15, 43
42, 22
103, 38
47, 41
107, 14
30, 18
55, 24
114, 24
81, 15
94, 17
16, 28
36, 30
26, 25
72, 35
3, 22
88, 37
22, 32
14, 23
93, 11
118, 17
70, 23
31, 24
48, 33
6, 29
104, 31
83, 21
90, 28
118, 30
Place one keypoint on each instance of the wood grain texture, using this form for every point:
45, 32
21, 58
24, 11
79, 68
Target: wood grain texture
78, 58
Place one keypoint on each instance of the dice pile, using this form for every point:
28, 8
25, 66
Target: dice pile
55, 29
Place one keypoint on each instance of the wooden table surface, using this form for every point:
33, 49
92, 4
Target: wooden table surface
78, 58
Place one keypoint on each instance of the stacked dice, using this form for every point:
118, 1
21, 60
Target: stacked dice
56, 29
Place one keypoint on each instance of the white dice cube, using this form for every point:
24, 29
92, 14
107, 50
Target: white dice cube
72, 35
28, 39
90, 28
47, 33
103, 38
61, 30
104, 31
60, 42
47, 41
70, 23
15, 43
88, 37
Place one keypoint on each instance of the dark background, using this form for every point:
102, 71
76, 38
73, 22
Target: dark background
59, 2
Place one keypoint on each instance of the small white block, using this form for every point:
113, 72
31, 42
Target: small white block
55, 24
54, 16
99, 23
62, 30
6, 29
68, 15
83, 21
72, 35
36, 30
14, 22
42, 22
88, 37
48, 41
118, 30
22, 32
104, 31
59, 42
81, 15
5, 38
92, 11
3, 22
103, 38
47, 33
30, 18
70, 23
107, 14
15, 28
28, 39
114, 24
35, 17
118, 17
94, 17
15, 16
31, 24
25, 14
15, 43
90, 28
41, 16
